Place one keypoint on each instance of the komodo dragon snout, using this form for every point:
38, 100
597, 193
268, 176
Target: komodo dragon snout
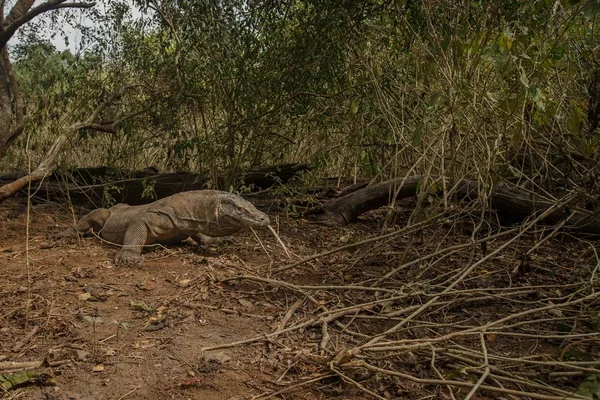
199, 214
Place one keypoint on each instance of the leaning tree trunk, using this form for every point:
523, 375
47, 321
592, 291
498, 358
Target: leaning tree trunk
510, 201
44, 168
47, 165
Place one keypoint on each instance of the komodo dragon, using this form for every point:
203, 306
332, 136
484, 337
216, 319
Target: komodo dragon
199, 214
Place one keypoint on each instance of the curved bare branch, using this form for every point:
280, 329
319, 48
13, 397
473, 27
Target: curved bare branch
20, 14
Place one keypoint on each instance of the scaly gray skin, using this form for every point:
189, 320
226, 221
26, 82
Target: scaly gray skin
199, 214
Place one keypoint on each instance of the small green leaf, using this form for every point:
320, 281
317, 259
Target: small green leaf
493, 97
590, 387
446, 42
141, 306
538, 98
124, 324
354, 108
377, 71
505, 41
574, 123
416, 139
523, 78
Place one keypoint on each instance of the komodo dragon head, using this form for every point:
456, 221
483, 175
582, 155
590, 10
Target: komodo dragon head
236, 211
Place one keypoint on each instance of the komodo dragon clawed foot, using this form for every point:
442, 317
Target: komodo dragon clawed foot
203, 215
128, 257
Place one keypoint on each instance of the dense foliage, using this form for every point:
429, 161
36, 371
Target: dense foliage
494, 90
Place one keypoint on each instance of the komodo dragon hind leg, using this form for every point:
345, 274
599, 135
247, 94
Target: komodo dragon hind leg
133, 243
94, 220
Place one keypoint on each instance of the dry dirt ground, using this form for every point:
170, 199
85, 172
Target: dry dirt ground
93, 315
107, 332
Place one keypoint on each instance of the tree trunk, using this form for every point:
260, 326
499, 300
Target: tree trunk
11, 102
6, 109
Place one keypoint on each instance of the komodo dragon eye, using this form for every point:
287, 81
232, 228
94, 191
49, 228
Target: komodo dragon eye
239, 211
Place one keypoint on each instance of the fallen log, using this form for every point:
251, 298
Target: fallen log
93, 185
133, 191
512, 202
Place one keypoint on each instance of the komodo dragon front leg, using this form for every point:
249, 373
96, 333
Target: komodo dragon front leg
146, 229
133, 243
94, 220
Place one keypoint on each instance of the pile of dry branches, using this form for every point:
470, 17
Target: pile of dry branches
429, 310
